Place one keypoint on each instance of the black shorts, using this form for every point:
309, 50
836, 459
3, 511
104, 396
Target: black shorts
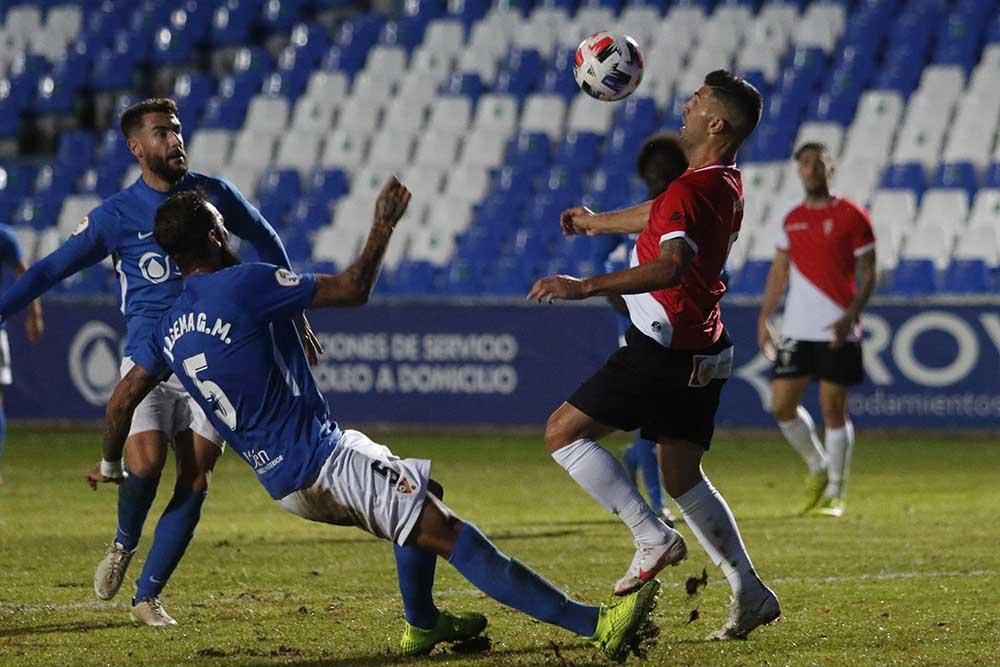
817, 360
664, 393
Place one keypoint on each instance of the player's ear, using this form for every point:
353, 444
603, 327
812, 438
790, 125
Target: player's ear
716, 124
135, 148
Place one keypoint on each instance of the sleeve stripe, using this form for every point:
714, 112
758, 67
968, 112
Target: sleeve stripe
681, 235
863, 249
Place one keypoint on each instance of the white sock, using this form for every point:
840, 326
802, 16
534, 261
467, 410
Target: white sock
601, 475
707, 515
801, 435
839, 447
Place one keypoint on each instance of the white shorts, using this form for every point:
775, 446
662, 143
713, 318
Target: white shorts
6, 377
170, 409
364, 484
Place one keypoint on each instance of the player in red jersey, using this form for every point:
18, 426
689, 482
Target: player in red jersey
826, 242
667, 379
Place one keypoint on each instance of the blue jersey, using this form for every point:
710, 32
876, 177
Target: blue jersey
10, 253
122, 226
230, 339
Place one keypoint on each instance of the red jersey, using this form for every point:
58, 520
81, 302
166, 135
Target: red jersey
823, 245
705, 208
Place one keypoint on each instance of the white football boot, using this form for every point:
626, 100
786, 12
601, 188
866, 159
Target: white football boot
151, 612
111, 571
649, 560
752, 608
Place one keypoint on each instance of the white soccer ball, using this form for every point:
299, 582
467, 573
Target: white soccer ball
608, 66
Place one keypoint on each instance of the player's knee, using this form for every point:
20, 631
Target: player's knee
557, 435
145, 468
435, 489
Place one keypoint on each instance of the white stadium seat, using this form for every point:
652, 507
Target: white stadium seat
887, 242
432, 244
337, 244
63, 21
761, 179
979, 242
761, 56
425, 183
386, 62
328, 88
945, 207
497, 113
298, 150
544, 113
418, 88
641, 22
372, 87
831, 134
683, 22
74, 209
468, 183
586, 22
267, 114
897, 208
944, 82
929, 242
313, 116
391, 149
244, 178
438, 148
450, 213
433, 63
856, 179
344, 149
358, 116
484, 148
589, 115
986, 208
406, 116
538, 36
451, 114
252, 150
208, 150
445, 36
489, 38
482, 63
27, 238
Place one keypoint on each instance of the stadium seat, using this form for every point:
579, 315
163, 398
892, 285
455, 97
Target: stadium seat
484, 148
896, 208
497, 113
944, 207
438, 148
960, 175
298, 150
589, 115
986, 208
358, 116
450, 114
424, 182
908, 176
208, 150
915, 277
344, 149
391, 149
968, 276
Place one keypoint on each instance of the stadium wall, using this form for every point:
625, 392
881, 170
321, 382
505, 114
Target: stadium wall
929, 364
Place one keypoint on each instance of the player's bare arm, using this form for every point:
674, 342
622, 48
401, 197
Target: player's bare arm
34, 324
675, 258
866, 285
580, 220
774, 289
127, 395
353, 287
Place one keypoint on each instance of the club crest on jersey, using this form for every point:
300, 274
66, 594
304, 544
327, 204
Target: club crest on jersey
827, 226
287, 278
405, 487
82, 227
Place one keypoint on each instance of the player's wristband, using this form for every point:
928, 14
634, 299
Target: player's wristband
111, 469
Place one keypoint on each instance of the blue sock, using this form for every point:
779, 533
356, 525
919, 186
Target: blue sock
173, 534
645, 451
515, 585
415, 569
135, 495
629, 459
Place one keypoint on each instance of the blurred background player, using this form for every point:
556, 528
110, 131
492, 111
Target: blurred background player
661, 160
826, 257
10, 256
668, 379
122, 226
254, 382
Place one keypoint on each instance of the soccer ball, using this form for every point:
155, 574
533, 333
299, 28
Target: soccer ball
608, 66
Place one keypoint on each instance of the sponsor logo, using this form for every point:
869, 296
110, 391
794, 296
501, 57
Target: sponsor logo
82, 227
93, 362
154, 267
677, 215
144, 236
287, 278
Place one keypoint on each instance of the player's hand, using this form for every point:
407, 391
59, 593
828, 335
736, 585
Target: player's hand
550, 288
310, 342
765, 339
34, 327
392, 202
576, 220
841, 330
95, 477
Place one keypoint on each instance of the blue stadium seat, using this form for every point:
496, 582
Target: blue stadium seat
36, 213
102, 181
956, 175
297, 244
343, 59
16, 181
638, 113
310, 215
751, 278
835, 107
407, 33
529, 150
991, 179
23, 76
673, 116
424, 9
968, 276
464, 83
55, 96
327, 185
565, 182
76, 149
509, 276
414, 277
579, 150
192, 92
906, 176
172, 46
224, 113
10, 117
915, 277
310, 41
232, 21
468, 11
556, 82
54, 182
280, 188
279, 15
112, 71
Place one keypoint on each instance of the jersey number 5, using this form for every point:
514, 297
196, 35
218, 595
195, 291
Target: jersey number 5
212, 392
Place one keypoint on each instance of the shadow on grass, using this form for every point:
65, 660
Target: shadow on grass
76, 626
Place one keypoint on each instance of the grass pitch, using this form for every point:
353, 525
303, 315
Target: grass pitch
909, 576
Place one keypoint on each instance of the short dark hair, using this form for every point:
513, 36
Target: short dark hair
182, 226
739, 97
131, 119
817, 146
661, 158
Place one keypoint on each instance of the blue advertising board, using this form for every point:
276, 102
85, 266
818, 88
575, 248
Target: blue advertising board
472, 364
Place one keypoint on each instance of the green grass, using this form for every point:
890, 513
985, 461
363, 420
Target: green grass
909, 576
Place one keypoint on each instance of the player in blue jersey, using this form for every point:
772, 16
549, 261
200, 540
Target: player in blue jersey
11, 257
122, 226
661, 160
230, 339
